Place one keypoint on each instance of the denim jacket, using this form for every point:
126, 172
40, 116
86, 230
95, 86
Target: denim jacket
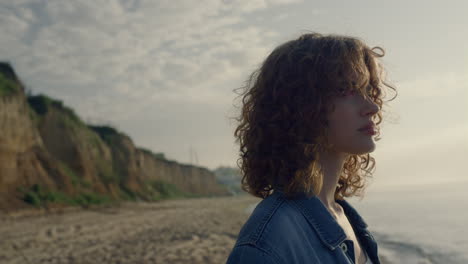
299, 230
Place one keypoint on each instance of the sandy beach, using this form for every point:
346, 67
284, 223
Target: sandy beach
177, 231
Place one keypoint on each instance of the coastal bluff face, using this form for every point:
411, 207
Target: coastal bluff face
23, 159
45, 147
188, 178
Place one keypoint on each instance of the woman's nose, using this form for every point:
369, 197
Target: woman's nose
370, 108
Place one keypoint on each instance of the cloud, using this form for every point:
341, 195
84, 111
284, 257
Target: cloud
144, 51
278, 2
437, 85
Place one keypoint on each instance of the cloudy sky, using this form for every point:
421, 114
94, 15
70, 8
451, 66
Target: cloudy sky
163, 72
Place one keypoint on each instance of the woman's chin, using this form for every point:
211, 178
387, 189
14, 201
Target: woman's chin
363, 149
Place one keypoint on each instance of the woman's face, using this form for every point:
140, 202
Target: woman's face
351, 113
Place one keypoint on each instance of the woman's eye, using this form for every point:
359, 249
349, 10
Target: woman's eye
343, 92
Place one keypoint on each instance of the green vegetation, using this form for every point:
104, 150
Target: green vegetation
158, 155
7, 86
161, 190
165, 190
41, 197
105, 132
41, 104
109, 178
127, 194
75, 179
156, 190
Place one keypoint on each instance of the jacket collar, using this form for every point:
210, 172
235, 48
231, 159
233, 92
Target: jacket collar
353, 216
329, 231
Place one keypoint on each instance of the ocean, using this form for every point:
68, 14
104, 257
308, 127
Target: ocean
419, 224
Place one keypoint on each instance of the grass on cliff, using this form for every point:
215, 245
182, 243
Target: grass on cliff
105, 132
39, 196
165, 190
157, 190
75, 179
42, 197
7, 86
42, 104
162, 190
158, 155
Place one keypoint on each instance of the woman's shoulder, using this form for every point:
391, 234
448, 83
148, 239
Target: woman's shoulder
276, 223
274, 228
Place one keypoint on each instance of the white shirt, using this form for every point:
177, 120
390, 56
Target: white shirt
368, 259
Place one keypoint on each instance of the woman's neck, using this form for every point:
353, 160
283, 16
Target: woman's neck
332, 165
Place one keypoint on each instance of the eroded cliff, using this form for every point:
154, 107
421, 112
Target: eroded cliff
47, 152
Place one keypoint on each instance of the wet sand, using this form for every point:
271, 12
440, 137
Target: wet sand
178, 231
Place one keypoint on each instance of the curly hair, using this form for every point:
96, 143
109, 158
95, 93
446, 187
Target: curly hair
282, 126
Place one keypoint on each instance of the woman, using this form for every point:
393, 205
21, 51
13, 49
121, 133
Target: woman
306, 129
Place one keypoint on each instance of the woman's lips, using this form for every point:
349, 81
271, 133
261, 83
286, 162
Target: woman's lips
369, 128
369, 131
